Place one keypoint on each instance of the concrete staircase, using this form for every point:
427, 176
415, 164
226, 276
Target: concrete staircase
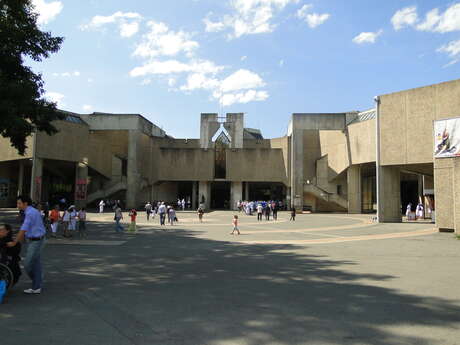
109, 189
326, 196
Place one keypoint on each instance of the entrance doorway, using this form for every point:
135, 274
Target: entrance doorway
220, 195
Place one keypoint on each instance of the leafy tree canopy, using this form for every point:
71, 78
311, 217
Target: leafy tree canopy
23, 108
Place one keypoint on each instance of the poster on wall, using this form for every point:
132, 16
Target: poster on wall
80, 190
447, 138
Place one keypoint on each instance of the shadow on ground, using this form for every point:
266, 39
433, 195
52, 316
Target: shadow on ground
174, 288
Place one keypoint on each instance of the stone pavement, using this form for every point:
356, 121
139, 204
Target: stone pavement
325, 279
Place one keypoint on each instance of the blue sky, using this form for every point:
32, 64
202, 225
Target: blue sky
172, 60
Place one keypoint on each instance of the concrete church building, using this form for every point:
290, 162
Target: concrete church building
339, 162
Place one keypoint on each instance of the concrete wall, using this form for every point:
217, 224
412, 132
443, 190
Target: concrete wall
185, 165
406, 121
361, 141
256, 165
8, 153
69, 144
444, 185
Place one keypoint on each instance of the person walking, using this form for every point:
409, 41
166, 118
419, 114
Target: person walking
32, 230
66, 222
293, 214
259, 211
183, 204
101, 206
118, 217
73, 220
235, 225
267, 211
408, 210
132, 225
54, 219
171, 215
275, 211
162, 213
200, 214
82, 222
148, 210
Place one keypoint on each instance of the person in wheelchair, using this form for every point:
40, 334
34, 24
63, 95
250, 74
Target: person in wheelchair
10, 271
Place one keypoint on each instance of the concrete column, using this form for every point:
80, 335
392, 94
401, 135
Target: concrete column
297, 177
36, 179
204, 190
194, 195
21, 178
354, 189
235, 127
389, 202
134, 177
81, 184
246, 192
208, 127
236, 194
420, 188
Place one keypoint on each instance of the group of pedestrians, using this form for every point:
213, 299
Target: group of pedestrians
68, 222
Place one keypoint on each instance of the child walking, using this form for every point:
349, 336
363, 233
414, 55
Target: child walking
132, 226
82, 222
235, 225
54, 219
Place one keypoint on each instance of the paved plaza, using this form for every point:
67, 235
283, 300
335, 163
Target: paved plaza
324, 279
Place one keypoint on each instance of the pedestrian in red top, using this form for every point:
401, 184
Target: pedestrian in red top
132, 226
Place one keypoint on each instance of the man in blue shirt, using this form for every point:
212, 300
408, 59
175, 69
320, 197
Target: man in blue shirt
34, 232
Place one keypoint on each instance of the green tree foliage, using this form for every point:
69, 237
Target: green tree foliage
23, 108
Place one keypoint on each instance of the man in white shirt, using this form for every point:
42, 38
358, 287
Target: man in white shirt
101, 206
162, 213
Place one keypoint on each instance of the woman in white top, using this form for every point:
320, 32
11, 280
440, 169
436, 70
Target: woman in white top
73, 215
65, 222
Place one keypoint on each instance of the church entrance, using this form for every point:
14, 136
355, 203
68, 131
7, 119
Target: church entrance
220, 195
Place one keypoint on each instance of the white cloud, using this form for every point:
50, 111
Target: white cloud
452, 49
281, 63
171, 82
47, 11
128, 22
55, 97
67, 74
442, 22
404, 17
174, 67
161, 41
87, 107
240, 80
146, 82
367, 37
312, 19
243, 97
129, 29
248, 17
243, 58
200, 81
90, 80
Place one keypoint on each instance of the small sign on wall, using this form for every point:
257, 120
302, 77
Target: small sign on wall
447, 138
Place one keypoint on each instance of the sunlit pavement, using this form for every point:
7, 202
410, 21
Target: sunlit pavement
323, 279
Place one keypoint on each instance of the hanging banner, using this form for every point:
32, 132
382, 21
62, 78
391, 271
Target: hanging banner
447, 138
80, 189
